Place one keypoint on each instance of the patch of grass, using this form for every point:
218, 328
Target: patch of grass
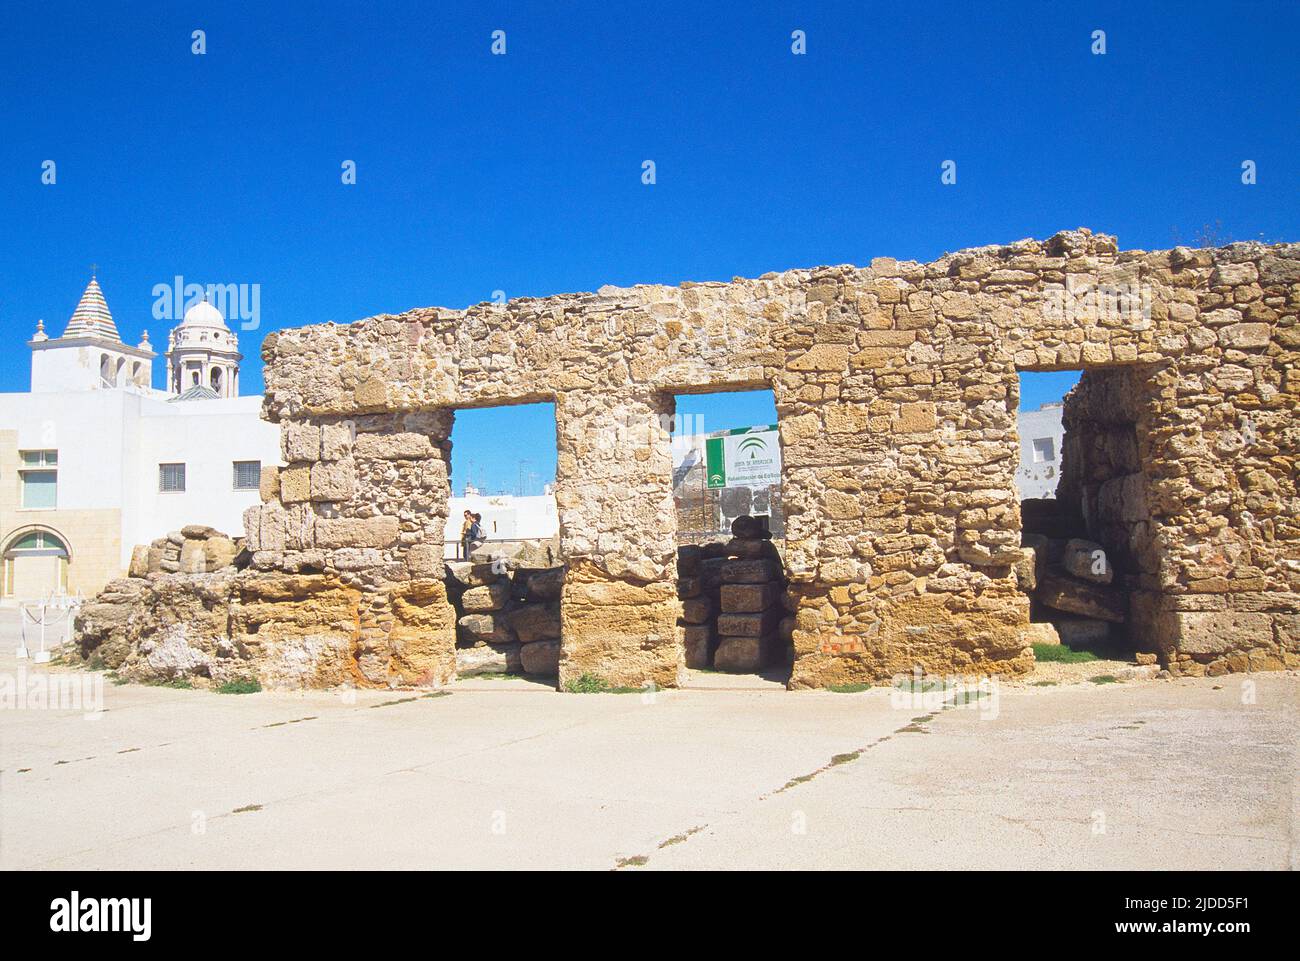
849, 688
591, 684
246, 808
246, 685
845, 758
1043, 684
636, 861
966, 697
95, 663
680, 838
179, 683
912, 729
586, 684
922, 687
1060, 654
1104, 679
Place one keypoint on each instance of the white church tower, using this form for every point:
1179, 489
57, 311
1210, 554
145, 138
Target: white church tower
203, 355
90, 355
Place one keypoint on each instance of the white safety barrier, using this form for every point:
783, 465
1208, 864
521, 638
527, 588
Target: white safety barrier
55, 610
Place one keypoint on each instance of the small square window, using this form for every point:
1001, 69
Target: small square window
1044, 450
171, 478
248, 475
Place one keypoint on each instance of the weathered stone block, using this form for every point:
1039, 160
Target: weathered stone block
544, 585
1082, 632
746, 598
424, 560
295, 485
1088, 560
333, 481
486, 629
403, 446
336, 441
697, 610
1077, 597
697, 639
356, 532
488, 659
1213, 632
489, 597
750, 572
541, 657
749, 625
536, 622
300, 442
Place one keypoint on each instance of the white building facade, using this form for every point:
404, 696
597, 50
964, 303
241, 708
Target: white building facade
94, 460
1041, 434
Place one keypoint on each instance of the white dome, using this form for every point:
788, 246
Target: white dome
203, 314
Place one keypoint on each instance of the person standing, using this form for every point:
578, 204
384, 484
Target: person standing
464, 534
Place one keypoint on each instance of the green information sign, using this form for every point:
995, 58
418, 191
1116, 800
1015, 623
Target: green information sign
715, 463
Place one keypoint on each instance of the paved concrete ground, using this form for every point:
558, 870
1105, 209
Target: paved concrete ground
1163, 774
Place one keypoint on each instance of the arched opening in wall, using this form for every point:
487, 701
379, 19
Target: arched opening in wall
1089, 547
505, 572
215, 379
34, 565
730, 533
105, 371
136, 370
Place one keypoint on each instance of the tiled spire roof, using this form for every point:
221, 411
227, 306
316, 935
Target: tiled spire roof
91, 318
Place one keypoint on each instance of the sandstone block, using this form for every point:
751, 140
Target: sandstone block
487, 598
544, 585
403, 446
424, 560
139, 561
356, 532
300, 442
485, 629
1082, 632
219, 551
269, 484
295, 485
1087, 560
193, 560
467, 573
536, 622
1042, 633
1078, 597
333, 481
336, 441
541, 657
488, 659
749, 625
697, 610
1244, 336
698, 639
746, 654
750, 572
1213, 632
747, 598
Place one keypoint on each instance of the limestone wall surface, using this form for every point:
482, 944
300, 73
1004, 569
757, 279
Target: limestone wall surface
896, 387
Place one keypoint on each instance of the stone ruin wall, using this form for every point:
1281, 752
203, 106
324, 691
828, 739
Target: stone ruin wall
896, 388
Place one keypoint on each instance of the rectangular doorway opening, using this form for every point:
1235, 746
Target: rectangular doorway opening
727, 482
501, 545
1085, 522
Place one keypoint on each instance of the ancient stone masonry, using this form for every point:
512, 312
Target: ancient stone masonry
896, 387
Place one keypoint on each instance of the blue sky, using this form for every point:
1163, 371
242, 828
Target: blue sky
522, 173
